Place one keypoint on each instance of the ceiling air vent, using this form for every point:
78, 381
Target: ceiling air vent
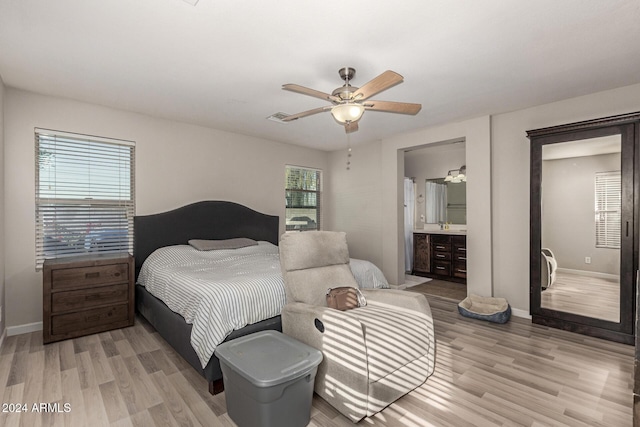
277, 117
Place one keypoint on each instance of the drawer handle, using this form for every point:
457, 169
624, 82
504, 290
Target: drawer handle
462, 249
440, 256
440, 268
440, 247
462, 271
92, 275
463, 258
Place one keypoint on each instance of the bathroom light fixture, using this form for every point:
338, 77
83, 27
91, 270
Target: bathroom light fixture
348, 112
460, 176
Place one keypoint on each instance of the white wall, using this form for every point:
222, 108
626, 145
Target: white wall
176, 164
510, 179
355, 200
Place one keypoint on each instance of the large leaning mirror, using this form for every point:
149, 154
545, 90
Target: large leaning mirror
583, 234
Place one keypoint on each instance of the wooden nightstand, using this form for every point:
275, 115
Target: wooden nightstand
86, 294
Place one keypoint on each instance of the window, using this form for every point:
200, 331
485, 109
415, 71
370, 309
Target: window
85, 198
608, 209
302, 192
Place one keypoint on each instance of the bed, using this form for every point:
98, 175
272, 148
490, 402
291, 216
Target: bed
163, 240
211, 220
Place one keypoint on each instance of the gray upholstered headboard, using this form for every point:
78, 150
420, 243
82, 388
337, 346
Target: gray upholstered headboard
210, 220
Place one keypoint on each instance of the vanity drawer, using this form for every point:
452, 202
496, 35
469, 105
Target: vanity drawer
440, 247
460, 270
460, 257
441, 238
442, 256
442, 268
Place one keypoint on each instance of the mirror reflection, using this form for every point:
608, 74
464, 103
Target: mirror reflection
445, 201
581, 218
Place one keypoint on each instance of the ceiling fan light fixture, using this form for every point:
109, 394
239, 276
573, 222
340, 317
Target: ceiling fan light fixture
347, 112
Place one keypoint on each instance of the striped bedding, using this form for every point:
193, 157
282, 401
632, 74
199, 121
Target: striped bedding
220, 291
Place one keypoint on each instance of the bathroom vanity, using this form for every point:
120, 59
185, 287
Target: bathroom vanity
440, 254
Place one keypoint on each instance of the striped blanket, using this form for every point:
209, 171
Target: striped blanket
220, 291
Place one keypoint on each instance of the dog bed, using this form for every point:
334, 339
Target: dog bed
495, 310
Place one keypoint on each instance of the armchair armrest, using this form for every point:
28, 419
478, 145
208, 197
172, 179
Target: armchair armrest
411, 301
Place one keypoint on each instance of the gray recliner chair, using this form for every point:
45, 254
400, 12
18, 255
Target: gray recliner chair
374, 354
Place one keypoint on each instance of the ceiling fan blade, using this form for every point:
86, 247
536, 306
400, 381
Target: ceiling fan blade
393, 107
311, 92
383, 82
306, 113
350, 127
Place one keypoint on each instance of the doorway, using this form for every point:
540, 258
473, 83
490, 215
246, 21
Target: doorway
439, 208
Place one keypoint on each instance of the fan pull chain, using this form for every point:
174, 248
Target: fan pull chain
348, 152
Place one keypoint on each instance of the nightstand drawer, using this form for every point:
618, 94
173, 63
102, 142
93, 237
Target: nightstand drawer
99, 275
91, 297
65, 323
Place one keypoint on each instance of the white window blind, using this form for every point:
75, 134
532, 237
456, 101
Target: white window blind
608, 209
303, 196
85, 195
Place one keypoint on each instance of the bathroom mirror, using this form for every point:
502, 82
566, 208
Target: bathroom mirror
445, 201
583, 255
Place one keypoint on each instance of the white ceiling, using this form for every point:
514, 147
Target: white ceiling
221, 64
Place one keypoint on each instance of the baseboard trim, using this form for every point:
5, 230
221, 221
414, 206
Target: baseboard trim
520, 313
605, 276
24, 329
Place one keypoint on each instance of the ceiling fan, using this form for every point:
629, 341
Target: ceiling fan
349, 102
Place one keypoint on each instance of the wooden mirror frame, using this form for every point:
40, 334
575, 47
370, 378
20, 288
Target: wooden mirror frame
628, 127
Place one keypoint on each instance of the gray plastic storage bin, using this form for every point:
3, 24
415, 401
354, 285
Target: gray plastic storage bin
268, 379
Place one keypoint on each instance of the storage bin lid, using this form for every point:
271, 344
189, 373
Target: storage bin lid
268, 358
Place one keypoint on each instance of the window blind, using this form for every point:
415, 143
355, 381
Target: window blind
608, 209
85, 195
303, 198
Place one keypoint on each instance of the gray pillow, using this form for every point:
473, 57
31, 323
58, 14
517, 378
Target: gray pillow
212, 245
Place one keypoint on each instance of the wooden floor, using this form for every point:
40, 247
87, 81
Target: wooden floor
585, 295
517, 374
442, 288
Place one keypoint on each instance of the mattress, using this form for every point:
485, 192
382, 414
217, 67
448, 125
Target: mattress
216, 291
